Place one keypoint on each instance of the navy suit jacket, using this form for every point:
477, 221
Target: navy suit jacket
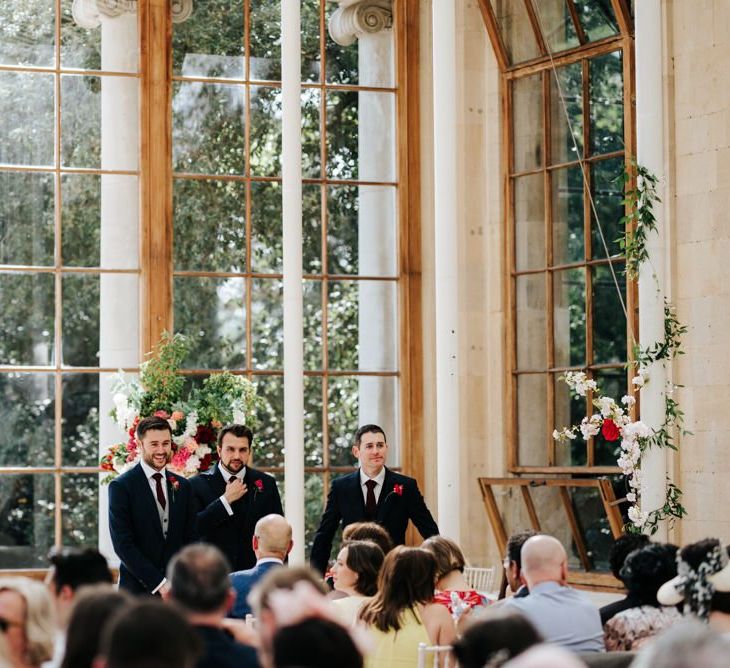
232, 534
243, 582
220, 650
136, 530
346, 504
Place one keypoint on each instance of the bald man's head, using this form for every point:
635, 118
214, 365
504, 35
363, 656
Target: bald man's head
272, 537
544, 560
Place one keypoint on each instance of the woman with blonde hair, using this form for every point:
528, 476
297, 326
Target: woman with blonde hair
26, 612
401, 614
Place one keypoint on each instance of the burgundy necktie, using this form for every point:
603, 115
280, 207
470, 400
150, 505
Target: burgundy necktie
160, 493
232, 478
370, 499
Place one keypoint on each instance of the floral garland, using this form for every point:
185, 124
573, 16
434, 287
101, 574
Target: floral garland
194, 419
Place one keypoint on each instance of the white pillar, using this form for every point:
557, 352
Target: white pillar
291, 162
652, 291
448, 441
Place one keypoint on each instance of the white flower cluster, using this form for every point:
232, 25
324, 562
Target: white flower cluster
124, 413
191, 428
641, 379
579, 383
630, 461
238, 406
564, 435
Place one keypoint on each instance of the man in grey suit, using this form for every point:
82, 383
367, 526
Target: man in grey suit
272, 542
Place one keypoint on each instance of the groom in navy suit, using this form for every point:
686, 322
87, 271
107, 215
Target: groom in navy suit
231, 497
373, 493
151, 512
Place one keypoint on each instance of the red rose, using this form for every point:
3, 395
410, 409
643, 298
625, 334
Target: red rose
174, 482
259, 484
398, 489
206, 462
204, 434
610, 430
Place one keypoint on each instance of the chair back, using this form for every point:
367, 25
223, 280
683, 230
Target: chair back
251, 621
434, 656
479, 578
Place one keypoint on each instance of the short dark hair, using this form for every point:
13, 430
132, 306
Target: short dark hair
238, 430
366, 559
647, 569
622, 547
367, 428
149, 634
76, 566
198, 577
515, 543
315, 643
153, 423
371, 531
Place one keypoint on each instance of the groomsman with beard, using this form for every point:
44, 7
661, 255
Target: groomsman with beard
373, 493
231, 497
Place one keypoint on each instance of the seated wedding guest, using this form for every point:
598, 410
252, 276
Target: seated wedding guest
201, 587
689, 644
451, 587
512, 563
401, 614
27, 614
93, 607
720, 610
271, 544
371, 531
644, 571
148, 634
545, 656
71, 568
499, 635
621, 548
563, 615
355, 574
315, 643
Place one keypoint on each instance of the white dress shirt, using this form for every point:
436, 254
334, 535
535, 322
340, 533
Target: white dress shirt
164, 514
226, 477
379, 479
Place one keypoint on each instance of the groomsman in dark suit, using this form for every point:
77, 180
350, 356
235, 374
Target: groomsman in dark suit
231, 497
374, 493
151, 512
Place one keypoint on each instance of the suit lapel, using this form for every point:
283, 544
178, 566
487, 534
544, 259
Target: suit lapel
356, 493
385, 493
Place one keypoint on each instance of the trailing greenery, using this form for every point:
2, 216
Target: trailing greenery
670, 346
163, 386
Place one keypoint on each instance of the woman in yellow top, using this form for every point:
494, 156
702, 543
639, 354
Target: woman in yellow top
401, 614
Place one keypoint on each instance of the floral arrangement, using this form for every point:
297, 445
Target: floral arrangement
195, 418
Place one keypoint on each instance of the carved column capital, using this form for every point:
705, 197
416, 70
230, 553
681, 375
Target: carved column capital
88, 13
354, 18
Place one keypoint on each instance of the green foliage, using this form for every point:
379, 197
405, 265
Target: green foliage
221, 390
670, 346
163, 386
672, 510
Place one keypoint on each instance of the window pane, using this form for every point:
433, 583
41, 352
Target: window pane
26, 411
556, 25
81, 319
81, 217
352, 402
269, 441
211, 312
209, 225
81, 47
566, 133
81, 121
265, 131
266, 228
569, 317
27, 33
609, 321
311, 64
531, 419
568, 228
313, 507
569, 411
26, 525
362, 325
26, 219
592, 520
515, 30
342, 140
80, 509
529, 213
530, 324
208, 128
361, 230
313, 434
597, 18
312, 228
265, 40
26, 328
312, 296
267, 323
527, 128
210, 42
311, 154
80, 422
22, 143
612, 383
607, 103
608, 196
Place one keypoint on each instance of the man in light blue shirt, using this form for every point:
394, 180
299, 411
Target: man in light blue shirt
562, 615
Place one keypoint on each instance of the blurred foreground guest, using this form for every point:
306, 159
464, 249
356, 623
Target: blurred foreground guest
401, 614
148, 634
452, 590
93, 607
371, 531
512, 563
621, 548
563, 615
315, 643
644, 571
355, 575
689, 644
201, 587
70, 569
499, 635
26, 613
545, 656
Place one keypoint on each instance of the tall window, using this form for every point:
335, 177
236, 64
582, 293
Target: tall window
68, 265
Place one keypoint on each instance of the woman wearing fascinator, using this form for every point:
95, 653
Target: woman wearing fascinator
702, 582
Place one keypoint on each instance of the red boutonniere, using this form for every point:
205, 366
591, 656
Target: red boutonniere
174, 484
259, 485
610, 430
398, 489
